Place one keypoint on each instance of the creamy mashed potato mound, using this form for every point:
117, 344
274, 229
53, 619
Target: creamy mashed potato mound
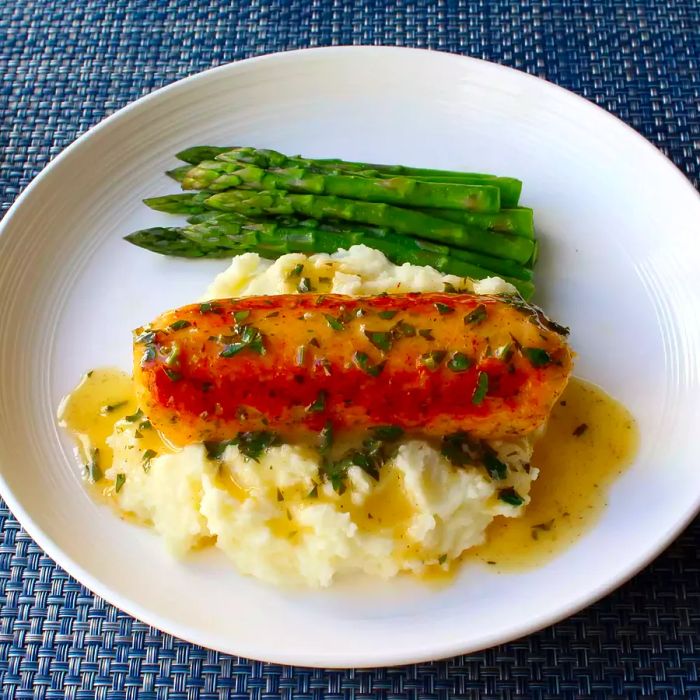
276, 518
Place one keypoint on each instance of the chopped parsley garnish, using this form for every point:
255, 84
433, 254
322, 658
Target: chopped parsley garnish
319, 403
148, 455
179, 325
253, 444
110, 407
215, 450
494, 466
426, 333
325, 438
336, 472
296, 271
380, 339
250, 338
242, 315
304, 286
481, 388
511, 497
477, 315
403, 330
119, 482
433, 359
461, 449
335, 323
444, 308
94, 471
146, 425
387, 432
173, 356
314, 492
459, 362
361, 359
208, 307
442, 559
250, 444
370, 458
172, 375
134, 416
537, 356
387, 315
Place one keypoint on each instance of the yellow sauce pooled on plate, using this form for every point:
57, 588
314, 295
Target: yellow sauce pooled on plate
590, 439
90, 411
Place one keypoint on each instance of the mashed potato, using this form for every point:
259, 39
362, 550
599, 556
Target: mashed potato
276, 518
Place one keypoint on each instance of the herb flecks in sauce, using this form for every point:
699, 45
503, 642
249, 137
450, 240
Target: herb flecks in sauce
481, 388
459, 362
380, 339
477, 315
511, 497
362, 360
433, 359
537, 356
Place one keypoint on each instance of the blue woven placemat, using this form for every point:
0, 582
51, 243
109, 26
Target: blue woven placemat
65, 65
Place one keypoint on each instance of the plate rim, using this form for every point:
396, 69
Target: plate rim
432, 651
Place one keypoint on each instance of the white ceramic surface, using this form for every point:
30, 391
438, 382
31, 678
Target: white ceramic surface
620, 261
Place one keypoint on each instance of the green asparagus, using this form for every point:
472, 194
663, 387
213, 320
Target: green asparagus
185, 203
219, 176
271, 241
180, 173
406, 221
196, 154
170, 241
215, 229
510, 188
518, 221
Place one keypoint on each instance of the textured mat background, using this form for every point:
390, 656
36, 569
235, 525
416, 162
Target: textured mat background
65, 65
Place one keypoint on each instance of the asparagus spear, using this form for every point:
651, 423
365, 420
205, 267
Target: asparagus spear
407, 221
518, 221
265, 158
178, 174
196, 154
185, 203
271, 241
216, 229
170, 241
219, 176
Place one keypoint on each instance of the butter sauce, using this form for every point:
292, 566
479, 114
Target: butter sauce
589, 440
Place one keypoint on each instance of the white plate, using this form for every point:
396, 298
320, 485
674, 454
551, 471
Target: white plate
620, 262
